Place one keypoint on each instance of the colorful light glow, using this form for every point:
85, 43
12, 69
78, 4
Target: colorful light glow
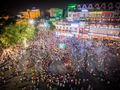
95, 12
31, 21
34, 10
62, 46
65, 34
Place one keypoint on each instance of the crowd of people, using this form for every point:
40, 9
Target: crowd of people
83, 59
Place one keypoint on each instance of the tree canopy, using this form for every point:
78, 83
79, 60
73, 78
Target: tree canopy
14, 34
52, 27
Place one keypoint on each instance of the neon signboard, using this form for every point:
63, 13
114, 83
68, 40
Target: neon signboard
34, 10
65, 34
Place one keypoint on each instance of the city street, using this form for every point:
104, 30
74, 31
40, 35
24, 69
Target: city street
90, 64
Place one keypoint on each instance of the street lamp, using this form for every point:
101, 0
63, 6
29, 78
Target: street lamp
31, 21
25, 44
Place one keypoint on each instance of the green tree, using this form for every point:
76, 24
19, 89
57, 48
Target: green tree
14, 34
52, 27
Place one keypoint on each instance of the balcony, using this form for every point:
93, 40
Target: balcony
108, 22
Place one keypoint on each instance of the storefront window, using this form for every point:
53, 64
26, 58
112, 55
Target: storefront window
75, 29
110, 26
102, 32
114, 32
116, 14
108, 32
112, 20
105, 26
116, 26
96, 31
74, 15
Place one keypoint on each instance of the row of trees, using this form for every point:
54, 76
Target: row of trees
52, 27
14, 34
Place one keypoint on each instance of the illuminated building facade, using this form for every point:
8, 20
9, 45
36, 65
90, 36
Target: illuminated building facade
96, 20
30, 14
5, 17
56, 12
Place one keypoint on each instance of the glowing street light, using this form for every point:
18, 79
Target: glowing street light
25, 44
31, 21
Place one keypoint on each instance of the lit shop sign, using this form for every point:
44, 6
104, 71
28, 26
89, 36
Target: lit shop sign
95, 12
74, 25
65, 34
114, 36
84, 10
103, 35
97, 34
35, 10
110, 36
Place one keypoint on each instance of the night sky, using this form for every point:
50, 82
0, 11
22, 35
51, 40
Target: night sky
13, 6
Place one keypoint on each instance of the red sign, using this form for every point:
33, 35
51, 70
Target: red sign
81, 28
107, 12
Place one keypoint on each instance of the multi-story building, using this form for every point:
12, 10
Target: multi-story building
30, 14
5, 17
56, 12
96, 20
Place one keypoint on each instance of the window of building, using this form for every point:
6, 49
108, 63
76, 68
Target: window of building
78, 14
110, 26
102, 32
69, 15
68, 24
96, 31
63, 24
114, 32
104, 26
116, 26
56, 23
66, 28
108, 32
74, 15
112, 20
83, 15
108, 19
75, 29
98, 25
116, 14
103, 15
